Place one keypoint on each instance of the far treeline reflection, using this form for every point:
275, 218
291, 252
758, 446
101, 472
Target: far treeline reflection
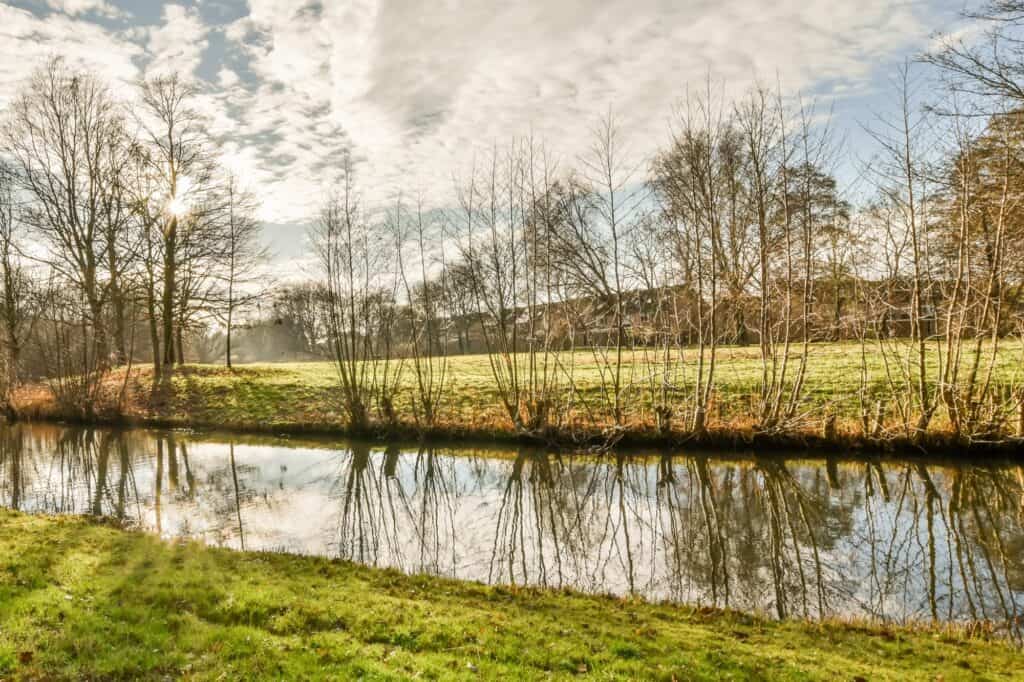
783, 536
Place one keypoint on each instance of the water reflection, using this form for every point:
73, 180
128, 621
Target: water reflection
894, 541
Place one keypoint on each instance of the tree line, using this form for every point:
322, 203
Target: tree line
121, 234
735, 231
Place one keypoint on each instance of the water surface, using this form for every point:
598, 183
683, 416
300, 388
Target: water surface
782, 536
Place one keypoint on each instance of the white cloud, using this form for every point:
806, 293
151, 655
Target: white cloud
27, 40
75, 7
416, 88
177, 43
227, 78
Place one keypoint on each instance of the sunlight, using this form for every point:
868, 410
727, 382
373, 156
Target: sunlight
180, 204
177, 207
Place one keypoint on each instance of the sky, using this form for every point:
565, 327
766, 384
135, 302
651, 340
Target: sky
415, 90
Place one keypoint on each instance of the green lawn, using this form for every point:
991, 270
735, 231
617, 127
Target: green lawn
80, 600
305, 393
299, 396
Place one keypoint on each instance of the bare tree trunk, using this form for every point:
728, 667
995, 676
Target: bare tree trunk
227, 340
179, 344
154, 327
167, 299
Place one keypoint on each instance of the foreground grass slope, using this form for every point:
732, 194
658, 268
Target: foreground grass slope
83, 600
304, 395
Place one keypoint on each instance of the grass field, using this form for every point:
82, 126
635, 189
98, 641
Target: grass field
305, 395
80, 600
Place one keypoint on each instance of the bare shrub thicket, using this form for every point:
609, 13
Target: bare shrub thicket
736, 233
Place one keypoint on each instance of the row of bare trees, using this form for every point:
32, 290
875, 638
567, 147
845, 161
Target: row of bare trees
735, 232
118, 220
536, 262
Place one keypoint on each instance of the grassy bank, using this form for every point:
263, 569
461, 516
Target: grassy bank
83, 600
303, 397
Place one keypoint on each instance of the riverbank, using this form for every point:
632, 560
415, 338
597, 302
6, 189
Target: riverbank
303, 398
79, 599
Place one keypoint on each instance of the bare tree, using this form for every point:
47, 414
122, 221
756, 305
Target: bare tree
304, 306
243, 254
978, 225
616, 192
19, 299
488, 225
67, 138
148, 202
693, 176
179, 159
761, 128
424, 294
902, 180
355, 263
992, 66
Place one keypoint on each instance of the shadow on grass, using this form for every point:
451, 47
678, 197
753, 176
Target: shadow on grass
86, 600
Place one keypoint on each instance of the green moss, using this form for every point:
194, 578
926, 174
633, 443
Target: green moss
84, 600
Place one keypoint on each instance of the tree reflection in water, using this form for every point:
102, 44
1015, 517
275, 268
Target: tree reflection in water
786, 537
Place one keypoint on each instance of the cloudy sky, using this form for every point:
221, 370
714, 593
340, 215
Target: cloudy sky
414, 88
